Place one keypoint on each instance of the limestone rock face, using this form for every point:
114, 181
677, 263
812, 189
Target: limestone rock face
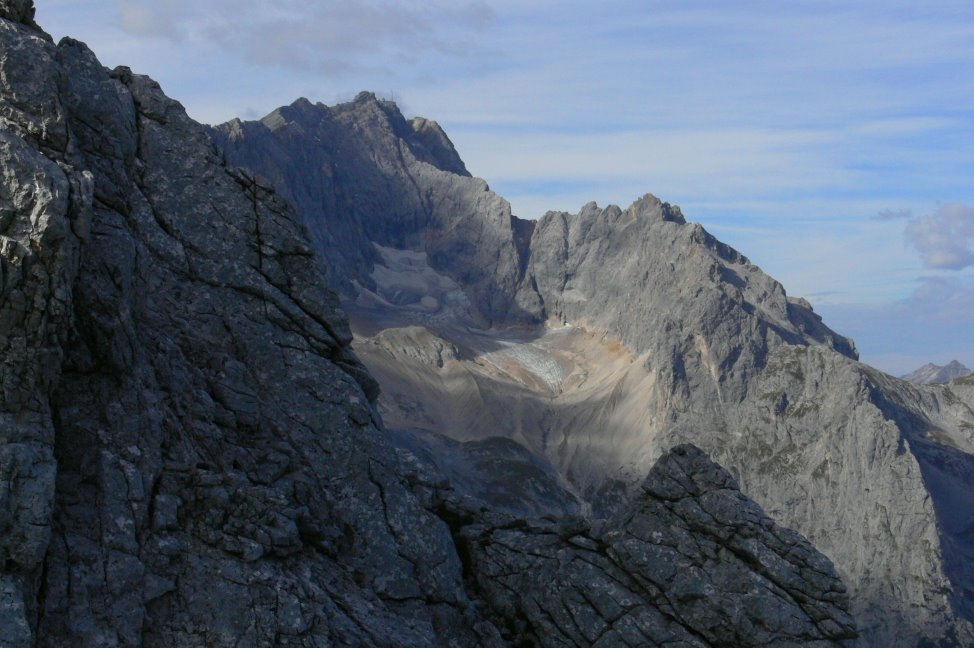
190, 452
689, 545
360, 173
601, 339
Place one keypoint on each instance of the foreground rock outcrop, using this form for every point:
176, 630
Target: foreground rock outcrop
190, 453
600, 339
692, 562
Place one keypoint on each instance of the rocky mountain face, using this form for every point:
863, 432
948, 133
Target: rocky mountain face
361, 174
190, 452
601, 339
930, 373
690, 544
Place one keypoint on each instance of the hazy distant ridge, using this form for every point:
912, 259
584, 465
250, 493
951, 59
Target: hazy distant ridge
930, 373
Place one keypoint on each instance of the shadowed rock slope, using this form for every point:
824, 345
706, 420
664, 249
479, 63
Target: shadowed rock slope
685, 564
677, 338
189, 451
360, 173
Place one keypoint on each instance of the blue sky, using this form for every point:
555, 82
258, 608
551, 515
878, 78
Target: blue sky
831, 142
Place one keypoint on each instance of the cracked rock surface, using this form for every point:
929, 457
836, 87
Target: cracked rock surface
691, 562
190, 452
598, 340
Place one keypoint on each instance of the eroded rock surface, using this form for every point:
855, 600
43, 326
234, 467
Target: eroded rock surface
692, 562
360, 173
190, 452
697, 345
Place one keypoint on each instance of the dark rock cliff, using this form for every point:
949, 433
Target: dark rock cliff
189, 450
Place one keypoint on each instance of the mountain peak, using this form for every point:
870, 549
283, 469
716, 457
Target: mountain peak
301, 112
649, 206
619, 332
365, 96
931, 373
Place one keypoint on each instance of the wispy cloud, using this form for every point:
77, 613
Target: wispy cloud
945, 298
944, 239
159, 19
704, 164
335, 37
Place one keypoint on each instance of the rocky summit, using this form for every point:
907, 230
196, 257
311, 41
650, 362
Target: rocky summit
599, 340
930, 373
191, 452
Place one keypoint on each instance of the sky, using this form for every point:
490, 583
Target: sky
830, 142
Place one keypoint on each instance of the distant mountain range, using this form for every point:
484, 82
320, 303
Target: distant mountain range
930, 373
600, 339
